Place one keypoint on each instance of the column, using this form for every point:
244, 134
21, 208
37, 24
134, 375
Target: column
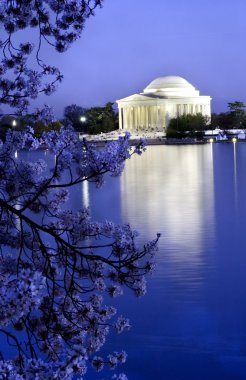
146, 117
164, 117
135, 117
125, 125
177, 110
160, 117
120, 118
127, 118
141, 117
135, 113
151, 116
157, 116
130, 117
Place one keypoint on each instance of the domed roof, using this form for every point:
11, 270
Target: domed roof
171, 86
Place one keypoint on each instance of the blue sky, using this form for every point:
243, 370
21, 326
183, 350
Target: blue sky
131, 42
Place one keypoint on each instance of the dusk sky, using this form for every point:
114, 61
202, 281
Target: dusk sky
131, 42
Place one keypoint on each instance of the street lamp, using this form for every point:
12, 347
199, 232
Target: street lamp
82, 119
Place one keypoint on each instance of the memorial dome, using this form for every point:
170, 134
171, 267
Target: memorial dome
171, 86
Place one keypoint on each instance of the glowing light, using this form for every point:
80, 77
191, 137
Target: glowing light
85, 194
211, 140
234, 140
82, 119
14, 123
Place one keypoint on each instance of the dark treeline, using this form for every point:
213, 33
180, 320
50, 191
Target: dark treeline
87, 120
91, 120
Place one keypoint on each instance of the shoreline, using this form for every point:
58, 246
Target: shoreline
134, 142
159, 138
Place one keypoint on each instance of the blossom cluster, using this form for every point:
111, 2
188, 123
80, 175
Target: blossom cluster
19, 294
57, 265
58, 23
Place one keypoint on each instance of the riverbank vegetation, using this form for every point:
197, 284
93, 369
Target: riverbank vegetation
187, 126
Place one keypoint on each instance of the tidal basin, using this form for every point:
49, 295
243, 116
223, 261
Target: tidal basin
191, 325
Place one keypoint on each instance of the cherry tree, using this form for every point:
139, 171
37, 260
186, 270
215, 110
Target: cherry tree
57, 265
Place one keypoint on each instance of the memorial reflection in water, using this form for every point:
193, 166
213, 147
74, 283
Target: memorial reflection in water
191, 323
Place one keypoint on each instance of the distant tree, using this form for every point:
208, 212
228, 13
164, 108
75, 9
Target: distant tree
238, 113
39, 127
223, 120
235, 118
101, 119
173, 133
20, 123
237, 108
75, 116
187, 125
6, 122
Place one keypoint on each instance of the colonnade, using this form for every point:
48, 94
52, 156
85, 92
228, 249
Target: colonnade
193, 109
156, 116
133, 117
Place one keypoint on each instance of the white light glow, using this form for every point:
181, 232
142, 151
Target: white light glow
85, 194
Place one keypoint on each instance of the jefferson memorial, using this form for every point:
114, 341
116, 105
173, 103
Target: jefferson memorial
163, 99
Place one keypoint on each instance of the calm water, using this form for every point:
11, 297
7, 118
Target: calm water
191, 325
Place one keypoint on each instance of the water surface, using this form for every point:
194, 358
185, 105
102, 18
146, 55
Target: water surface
192, 323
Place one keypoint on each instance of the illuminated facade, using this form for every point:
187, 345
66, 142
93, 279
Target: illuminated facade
163, 99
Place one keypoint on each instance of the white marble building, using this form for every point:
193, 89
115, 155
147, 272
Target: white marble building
163, 99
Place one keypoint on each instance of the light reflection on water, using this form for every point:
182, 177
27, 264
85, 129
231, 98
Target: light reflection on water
192, 323
165, 191
85, 194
